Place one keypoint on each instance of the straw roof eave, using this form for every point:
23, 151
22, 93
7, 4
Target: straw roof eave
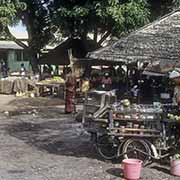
158, 41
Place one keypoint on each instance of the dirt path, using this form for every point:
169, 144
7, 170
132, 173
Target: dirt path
4, 102
47, 145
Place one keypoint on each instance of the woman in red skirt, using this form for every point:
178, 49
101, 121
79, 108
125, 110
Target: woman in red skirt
70, 92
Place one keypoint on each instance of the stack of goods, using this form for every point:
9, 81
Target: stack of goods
173, 113
54, 80
135, 119
7, 85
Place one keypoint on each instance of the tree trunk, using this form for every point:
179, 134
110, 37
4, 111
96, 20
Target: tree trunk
34, 63
95, 35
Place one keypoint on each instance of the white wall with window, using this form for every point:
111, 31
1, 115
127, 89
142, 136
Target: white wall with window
16, 58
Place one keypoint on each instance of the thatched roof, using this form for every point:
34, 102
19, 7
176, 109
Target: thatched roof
157, 41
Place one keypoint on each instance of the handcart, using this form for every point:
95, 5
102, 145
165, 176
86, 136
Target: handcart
132, 131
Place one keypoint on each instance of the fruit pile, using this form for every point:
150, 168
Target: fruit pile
173, 117
55, 79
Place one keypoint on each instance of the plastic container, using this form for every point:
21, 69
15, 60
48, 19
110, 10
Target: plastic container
132, 169
175, 167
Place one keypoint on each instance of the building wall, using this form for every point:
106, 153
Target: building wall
15, 58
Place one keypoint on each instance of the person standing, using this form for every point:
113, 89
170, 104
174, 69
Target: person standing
4, 69
70, 87
175, 76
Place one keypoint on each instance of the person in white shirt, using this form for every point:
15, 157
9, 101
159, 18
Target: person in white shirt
23, 70
175, 76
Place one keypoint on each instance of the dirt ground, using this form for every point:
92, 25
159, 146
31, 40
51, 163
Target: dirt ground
39, 142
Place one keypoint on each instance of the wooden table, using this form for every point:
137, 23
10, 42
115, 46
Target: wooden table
58, 87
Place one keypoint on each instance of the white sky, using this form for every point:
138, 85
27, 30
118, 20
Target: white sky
19, 31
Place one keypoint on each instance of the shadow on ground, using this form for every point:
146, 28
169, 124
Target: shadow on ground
44, 107
36, 102
162, 169
43, 112
61, 137
115, 172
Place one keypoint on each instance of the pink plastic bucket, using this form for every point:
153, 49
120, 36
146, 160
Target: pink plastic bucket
132, 168
175, 167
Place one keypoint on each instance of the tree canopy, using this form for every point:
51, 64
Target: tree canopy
8, 11
35, 17
80, 17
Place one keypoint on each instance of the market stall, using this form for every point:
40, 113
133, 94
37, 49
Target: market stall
15, 85
52, 86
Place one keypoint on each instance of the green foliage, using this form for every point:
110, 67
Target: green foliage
78, 17
8, 11
36, 18
177, 2
34, 15
176, 156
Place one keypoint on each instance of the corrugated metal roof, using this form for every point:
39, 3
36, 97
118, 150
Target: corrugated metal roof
9, 45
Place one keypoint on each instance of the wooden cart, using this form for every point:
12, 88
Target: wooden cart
139, 131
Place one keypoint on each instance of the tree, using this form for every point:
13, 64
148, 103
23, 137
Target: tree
35, 18
77, 18
8, 11
162, 7
34, 15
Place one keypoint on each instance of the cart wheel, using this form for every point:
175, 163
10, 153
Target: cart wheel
136, 148
107, 147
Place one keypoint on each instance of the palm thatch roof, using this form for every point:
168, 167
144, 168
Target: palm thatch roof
158, 41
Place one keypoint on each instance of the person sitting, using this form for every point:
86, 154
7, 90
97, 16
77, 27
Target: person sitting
23, 70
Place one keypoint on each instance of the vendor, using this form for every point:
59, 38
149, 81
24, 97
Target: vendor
175, 76
106, 82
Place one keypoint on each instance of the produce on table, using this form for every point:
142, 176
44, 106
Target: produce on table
55, 79
173, 117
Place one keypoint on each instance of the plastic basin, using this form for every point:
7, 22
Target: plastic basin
132, 169
175, 167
